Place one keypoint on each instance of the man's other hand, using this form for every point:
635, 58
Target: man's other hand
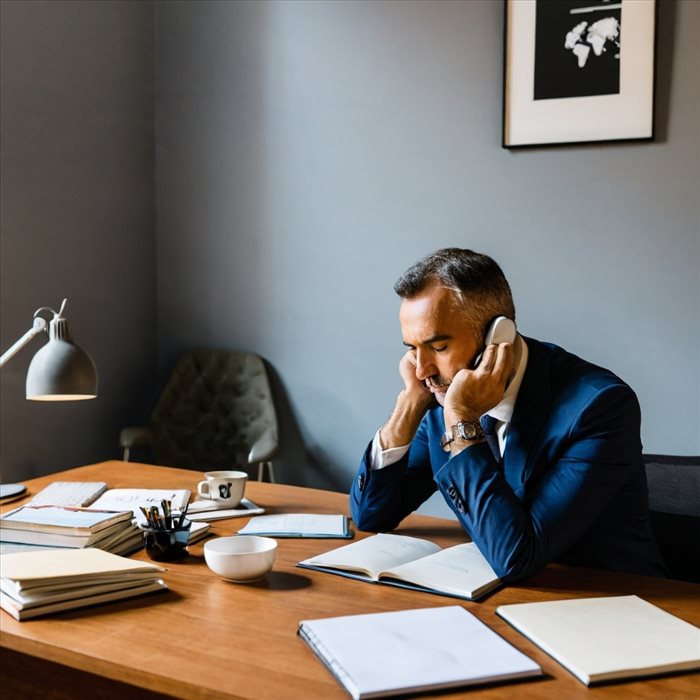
475, 391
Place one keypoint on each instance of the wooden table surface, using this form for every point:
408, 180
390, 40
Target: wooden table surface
207, 638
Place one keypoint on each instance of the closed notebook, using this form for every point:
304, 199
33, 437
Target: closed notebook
609, 638
81, 601
39, 583
56, 538
382, 654
61, 520
29, 569
313, 525
208, 510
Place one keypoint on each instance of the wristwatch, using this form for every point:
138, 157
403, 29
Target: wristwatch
467, 430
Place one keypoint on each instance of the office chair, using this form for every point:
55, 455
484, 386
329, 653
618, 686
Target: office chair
216, 412
674, 502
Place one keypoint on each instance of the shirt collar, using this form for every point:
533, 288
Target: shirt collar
503, 411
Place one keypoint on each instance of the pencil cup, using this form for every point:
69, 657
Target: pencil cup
167, 545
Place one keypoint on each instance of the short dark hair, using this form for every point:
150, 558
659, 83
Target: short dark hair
476, 279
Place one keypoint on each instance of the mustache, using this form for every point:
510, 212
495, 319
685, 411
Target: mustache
437, 382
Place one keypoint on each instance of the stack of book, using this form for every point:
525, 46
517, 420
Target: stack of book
42, 582
20, 533
31, 527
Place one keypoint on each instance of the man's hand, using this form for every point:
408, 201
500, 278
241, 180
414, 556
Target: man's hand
473, 392
413, 385
410, 408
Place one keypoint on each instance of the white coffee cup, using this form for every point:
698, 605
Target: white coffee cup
224, 487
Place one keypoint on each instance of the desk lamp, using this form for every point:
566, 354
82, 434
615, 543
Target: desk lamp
60, 371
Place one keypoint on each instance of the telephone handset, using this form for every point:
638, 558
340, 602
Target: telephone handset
500, 330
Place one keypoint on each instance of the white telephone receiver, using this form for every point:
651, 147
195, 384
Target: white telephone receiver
500, 330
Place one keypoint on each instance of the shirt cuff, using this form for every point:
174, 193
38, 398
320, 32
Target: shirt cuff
380, 458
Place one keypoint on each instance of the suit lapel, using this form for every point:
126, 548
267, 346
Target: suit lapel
529, 416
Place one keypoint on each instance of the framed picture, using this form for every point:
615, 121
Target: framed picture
578, 71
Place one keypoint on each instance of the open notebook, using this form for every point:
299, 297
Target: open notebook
409, 562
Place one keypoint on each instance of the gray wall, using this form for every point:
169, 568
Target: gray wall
77, 218
309, 151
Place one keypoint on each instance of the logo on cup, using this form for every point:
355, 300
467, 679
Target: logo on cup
224, 490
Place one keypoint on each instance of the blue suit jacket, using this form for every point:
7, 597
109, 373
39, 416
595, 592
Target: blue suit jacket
571, 488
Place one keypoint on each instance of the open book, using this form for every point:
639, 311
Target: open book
460, 571
377, 655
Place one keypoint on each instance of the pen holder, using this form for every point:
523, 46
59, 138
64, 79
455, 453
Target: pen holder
167, 545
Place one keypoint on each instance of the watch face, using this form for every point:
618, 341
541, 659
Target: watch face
469, 430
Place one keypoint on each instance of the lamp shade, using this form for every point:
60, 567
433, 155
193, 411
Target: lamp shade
61, 370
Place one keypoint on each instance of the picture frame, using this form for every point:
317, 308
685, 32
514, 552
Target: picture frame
578, 71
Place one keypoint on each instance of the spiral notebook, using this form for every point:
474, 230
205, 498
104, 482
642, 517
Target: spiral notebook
378, 655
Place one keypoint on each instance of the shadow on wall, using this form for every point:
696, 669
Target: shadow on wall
665, 28
300, 465
190, 400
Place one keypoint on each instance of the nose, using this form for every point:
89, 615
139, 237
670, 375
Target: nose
424, 366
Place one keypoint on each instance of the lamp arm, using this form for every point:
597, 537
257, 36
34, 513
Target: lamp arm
40, 325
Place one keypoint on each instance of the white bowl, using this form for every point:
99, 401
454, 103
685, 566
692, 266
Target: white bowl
241, 558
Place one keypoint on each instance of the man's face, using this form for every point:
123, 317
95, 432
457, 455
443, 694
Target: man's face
440, 339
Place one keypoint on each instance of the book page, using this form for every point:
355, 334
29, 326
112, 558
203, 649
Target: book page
131, 499
461, 570
381, 654
374, 554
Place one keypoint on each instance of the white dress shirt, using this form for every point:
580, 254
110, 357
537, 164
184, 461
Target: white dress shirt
502, 412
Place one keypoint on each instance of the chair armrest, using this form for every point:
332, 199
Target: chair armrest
135, 435
264, 448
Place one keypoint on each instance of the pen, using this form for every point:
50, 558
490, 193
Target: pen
183, 512
146, 515
165, 505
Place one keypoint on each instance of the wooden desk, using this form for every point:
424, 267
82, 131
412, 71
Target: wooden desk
207, 638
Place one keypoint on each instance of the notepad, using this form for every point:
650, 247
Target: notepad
609, 638
69, 493
313, 525
382, 654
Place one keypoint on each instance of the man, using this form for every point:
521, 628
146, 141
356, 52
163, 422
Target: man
557, 474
